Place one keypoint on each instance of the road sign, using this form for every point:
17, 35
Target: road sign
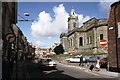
103, 42
10, 37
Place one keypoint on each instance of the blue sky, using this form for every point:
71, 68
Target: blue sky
50, 18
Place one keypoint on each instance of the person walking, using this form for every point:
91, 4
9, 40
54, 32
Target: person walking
81, 61
98, 64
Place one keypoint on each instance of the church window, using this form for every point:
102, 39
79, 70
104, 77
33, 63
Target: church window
74, 24
73, 13
81, 41
101, 36
90, 39
87, 40
71, 42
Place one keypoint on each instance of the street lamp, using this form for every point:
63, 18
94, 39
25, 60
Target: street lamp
23, 19
26, 14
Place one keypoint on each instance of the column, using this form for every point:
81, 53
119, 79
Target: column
95, 41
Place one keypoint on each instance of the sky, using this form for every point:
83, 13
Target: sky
50, 19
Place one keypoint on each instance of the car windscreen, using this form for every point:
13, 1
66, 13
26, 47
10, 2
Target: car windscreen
46, 60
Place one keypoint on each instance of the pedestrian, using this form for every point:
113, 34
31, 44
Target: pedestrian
98, 64
91, 67
81, 61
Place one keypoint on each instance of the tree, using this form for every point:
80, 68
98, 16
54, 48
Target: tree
59, 49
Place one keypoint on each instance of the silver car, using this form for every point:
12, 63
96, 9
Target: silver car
46, 63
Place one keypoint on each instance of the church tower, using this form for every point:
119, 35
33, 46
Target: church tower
72, 20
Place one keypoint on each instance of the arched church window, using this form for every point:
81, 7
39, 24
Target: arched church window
87, 40
101, 36
81, 41
90, 40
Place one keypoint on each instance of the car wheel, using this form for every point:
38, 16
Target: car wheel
69, 61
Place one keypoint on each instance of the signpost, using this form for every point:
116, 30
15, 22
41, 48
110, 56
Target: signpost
10, 38
103, 43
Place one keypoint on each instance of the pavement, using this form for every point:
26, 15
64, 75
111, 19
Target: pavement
20, 73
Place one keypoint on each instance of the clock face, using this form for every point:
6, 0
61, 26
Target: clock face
10, 37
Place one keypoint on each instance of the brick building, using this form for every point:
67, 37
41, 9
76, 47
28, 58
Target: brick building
114, 37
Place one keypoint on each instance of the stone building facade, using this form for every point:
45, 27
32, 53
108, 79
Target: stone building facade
85, 38
114, 37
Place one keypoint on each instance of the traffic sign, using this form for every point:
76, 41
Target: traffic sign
103, 42
10, 37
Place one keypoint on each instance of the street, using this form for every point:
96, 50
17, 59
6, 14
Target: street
62, 71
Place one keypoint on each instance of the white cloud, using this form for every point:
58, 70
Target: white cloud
49, 37
82, 19
40, 44
48, 27
105, 5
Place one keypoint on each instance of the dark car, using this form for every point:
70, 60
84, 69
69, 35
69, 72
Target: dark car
103, 62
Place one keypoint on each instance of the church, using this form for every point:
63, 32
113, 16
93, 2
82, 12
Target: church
85, 38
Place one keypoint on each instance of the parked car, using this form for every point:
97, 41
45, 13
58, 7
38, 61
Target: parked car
103, 62
92, 59
35, 60
46, 63
75, 59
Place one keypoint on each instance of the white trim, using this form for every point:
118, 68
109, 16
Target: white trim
110, 28
118, 29
103, 42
